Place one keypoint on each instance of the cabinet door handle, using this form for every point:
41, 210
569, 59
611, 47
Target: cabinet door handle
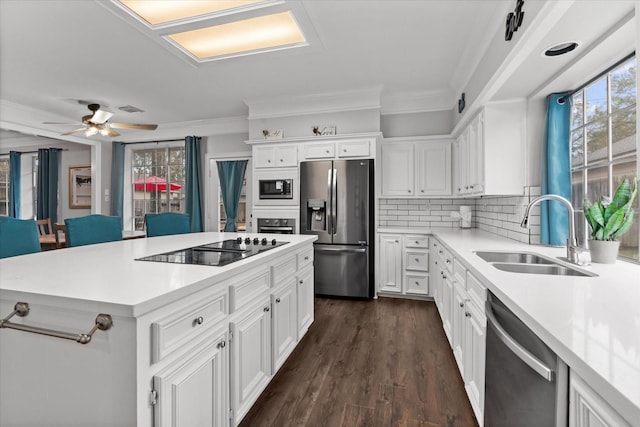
448, 261
306, 258
269, 161
439, 252
281, 160
327, 151
417, 243
417, 283
467, 314
198, 321
417, 259
222, 344
278, 300
344, 150
301, 282
461, 304
408, 191
266, 309
422, 191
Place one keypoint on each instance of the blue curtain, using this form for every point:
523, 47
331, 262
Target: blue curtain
556, 170
48, 184
193, 182
117, 179
231, 174
14, 184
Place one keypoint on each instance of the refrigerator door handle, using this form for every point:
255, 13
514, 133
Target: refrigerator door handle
328, 213
341, 250
334, 202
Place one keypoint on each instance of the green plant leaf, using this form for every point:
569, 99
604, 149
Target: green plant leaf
596, 213
622, 194
598, 234
614, 223
626, 225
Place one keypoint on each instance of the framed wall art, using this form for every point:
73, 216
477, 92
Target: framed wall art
79, 187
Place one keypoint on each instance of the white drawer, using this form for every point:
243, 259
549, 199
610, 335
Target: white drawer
459, 272
417, 260
354, 149
417, 284
305, 258
244, 289
416, 242
477, 291
178, 329
318, 151
285, 269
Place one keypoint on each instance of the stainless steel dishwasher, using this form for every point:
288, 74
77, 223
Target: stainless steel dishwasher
526, 382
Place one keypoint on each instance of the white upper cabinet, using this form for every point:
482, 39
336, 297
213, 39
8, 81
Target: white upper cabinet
490, 148
337, 149
274, 156
415, 167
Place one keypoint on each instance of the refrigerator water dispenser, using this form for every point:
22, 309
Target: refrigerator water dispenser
316, 215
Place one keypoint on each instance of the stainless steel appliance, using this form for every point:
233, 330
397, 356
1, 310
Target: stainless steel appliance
277, 225
217, 253
526, 383
275, 189
336, 204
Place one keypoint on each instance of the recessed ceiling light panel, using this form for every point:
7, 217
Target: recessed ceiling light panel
252, 35
158, 12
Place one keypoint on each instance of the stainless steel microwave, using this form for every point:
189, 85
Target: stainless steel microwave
275, 188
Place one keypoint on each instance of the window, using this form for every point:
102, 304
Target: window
603, 145
158, 177
242, 209
4, 187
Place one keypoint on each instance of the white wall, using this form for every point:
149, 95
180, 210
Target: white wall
416, 124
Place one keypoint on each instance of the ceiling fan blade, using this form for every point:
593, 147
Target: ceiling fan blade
75, 130
59, 123
133, 126
111, 132
100, 116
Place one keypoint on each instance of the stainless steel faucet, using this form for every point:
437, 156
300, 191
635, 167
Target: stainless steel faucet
575, 254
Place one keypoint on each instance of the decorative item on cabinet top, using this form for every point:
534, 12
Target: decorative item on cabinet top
324, 130
273, 134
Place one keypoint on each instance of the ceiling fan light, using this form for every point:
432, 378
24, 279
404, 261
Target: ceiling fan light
91, 130
104, 131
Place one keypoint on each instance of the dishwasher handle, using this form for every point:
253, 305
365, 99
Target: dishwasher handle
523, 354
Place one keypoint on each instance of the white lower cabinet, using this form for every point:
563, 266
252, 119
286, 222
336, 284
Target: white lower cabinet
403, 266
473, 353
305, 296
588, 409
250, 356
390, 265
284, 331
458, 325
194, 391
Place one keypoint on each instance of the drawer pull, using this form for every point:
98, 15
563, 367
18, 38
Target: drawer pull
448, 261
461, 304
301, 282
306, 258
198, 321
222, 344
417, 283
467, 314
266, 309
278, 300
417, 243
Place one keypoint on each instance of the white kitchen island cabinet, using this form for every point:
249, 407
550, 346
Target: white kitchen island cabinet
182, 347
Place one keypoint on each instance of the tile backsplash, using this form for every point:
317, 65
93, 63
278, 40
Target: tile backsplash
499, 215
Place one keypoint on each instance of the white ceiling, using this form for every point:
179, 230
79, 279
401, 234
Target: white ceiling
54, 53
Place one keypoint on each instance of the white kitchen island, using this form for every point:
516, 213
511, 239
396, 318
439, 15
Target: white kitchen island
190, 344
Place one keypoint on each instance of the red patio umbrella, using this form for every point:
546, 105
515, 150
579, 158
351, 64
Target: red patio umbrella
154, 183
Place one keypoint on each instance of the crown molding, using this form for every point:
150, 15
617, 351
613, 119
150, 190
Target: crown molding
332, 102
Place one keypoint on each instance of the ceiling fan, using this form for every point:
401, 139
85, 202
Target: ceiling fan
97, 122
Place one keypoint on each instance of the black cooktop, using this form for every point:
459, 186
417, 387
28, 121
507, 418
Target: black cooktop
217, 253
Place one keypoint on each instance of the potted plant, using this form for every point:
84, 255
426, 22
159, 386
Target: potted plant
609, 219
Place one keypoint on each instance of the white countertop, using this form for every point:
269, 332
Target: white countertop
592, 323
107, 273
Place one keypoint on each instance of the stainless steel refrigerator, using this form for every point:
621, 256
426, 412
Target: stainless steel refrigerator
336, 204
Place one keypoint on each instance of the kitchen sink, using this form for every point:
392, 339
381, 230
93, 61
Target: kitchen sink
530, 263
515, 257
553, 269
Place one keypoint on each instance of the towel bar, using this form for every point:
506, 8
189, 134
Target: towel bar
103, 322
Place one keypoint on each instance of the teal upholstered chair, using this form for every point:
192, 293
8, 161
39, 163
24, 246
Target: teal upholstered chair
90, 229
18, 237
165, 224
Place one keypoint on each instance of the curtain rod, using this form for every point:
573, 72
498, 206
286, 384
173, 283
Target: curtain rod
151, 142
620, 62
31, 152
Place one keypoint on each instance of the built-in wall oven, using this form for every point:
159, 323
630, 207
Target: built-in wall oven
526, 383
277, 225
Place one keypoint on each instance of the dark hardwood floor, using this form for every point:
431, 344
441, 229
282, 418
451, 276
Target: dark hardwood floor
381, 363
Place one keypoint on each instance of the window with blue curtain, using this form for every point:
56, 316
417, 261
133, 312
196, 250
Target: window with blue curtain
231, 175
14, 184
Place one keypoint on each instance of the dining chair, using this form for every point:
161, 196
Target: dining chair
90, 229
167, 223
60, 230
18, 237
44, 226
